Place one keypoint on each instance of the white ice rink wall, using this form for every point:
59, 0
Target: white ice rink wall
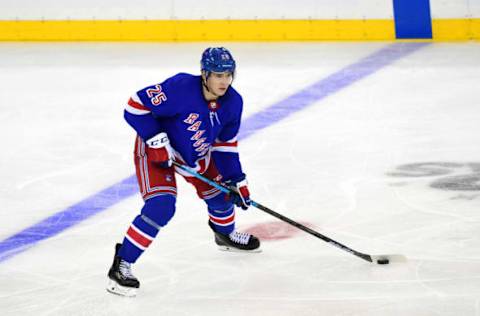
248, 20
194, 9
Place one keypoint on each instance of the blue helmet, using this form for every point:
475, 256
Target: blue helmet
217, 59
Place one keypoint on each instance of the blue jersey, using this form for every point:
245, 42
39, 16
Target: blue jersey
198, 130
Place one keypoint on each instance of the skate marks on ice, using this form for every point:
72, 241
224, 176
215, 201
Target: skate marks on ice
461, 178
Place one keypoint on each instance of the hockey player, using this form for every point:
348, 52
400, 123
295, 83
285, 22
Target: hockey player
193, 120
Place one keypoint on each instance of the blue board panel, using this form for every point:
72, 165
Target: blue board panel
412, 19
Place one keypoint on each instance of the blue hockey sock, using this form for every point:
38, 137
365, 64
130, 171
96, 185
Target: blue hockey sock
139, 236
222, 218
155, 214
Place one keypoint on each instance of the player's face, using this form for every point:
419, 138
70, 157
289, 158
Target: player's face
218, 82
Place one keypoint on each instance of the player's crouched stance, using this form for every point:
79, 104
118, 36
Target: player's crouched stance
193, 120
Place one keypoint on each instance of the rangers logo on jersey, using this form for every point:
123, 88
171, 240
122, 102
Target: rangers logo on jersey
191, 118
199, 142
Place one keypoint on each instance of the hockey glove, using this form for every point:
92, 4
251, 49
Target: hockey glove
159, 150
240, 195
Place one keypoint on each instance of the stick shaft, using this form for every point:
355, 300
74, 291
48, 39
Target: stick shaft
312, 232
265, 209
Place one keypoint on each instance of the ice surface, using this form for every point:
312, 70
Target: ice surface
388, 164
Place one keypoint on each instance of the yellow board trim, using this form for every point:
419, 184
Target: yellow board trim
197, 30
456, 29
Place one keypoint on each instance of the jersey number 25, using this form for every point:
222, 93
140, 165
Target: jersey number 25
156, 95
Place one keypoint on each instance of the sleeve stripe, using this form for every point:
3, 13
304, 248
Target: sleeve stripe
136, 108
233, 140
234, 144
229, 146
137, 105
225, 149
136, 99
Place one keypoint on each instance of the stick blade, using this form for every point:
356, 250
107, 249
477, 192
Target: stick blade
387, 259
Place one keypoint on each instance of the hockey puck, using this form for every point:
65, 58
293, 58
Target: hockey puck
383, 261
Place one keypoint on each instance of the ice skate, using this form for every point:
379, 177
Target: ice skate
121, 280
236, 241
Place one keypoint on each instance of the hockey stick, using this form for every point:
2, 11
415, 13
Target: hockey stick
379, 259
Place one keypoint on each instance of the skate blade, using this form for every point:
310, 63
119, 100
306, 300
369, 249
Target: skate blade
115, 288
233, 249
